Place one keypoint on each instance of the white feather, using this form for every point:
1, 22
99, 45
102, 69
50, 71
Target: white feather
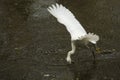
90, 37
65, 17
77, 32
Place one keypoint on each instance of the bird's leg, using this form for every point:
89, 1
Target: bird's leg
71, 52
93, 53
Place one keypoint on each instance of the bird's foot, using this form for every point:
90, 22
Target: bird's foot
98, 50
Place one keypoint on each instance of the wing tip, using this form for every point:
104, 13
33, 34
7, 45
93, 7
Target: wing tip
54, 6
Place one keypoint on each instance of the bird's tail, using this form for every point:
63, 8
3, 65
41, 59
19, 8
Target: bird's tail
91, 37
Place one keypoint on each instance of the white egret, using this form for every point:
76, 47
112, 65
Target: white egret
77, 32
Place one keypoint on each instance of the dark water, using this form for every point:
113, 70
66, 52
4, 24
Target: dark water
33, 45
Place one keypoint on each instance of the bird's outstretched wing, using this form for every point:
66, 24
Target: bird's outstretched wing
65, 17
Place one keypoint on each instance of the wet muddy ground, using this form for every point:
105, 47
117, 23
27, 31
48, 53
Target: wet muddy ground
33, 45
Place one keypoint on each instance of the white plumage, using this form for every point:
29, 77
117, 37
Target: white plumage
65, 17
77, 32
